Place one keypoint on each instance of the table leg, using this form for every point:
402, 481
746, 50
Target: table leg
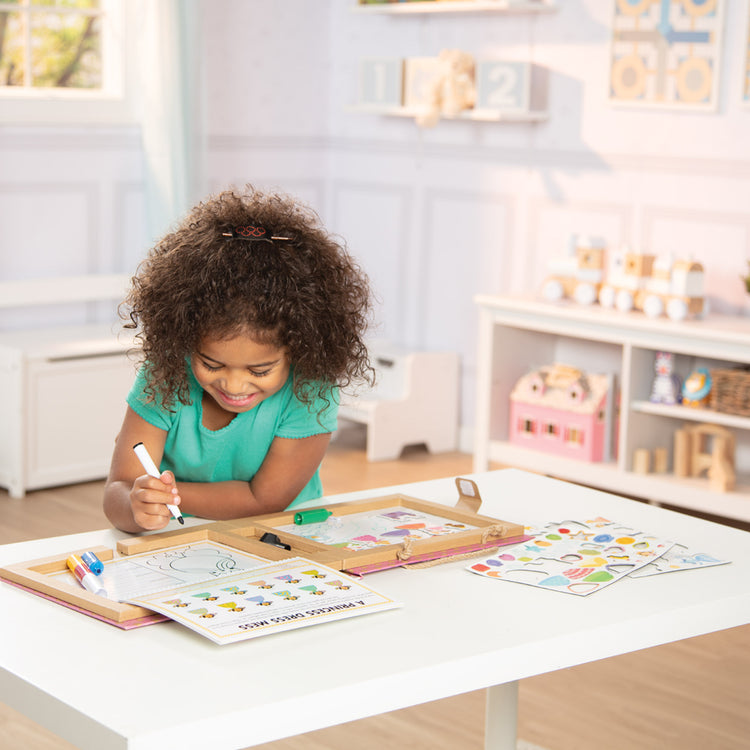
501, 717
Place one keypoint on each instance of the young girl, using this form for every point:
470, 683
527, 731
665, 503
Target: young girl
250, 316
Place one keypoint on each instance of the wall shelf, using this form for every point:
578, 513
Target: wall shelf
689, 414
517, 334
458, 6
469, 115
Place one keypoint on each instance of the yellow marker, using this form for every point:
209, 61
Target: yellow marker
88, 580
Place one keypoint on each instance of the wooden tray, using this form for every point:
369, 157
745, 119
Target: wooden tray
479, 530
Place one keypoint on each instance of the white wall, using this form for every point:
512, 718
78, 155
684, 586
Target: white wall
435, 216
71, 202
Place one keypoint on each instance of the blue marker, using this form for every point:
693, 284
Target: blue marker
93, 563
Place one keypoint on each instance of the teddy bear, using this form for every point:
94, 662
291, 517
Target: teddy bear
452, 90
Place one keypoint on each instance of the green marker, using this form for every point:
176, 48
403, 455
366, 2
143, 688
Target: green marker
317, 515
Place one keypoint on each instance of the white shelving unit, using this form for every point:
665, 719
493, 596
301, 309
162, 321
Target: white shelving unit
516, 334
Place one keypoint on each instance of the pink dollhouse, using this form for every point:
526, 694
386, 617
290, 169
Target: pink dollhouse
562, 410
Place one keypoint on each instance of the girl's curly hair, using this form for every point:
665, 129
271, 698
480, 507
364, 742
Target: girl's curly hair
304, 294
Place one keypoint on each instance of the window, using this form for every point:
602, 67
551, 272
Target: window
573, 436
527, 426
54, 45
62, 61
551, 429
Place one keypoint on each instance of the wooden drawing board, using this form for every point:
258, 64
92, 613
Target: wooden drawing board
422, 527
43, 575
247, 539
436, 529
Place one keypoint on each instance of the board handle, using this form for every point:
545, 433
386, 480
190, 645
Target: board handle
469, 497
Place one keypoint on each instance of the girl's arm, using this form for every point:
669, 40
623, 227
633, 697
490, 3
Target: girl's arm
134, 501
286, 469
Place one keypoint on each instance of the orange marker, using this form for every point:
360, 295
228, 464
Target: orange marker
87, 579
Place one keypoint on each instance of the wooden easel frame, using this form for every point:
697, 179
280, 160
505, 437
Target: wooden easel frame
487, 529
244, 535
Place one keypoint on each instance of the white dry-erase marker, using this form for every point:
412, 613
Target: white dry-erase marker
88, 580
148, 464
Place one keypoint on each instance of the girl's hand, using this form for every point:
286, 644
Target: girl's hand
149, 498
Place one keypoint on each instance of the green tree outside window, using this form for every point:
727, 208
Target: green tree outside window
51, 44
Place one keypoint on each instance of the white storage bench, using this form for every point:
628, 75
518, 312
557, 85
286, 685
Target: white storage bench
414, 401
62, 389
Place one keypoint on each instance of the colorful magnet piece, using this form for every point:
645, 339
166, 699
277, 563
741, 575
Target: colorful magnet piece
555, 581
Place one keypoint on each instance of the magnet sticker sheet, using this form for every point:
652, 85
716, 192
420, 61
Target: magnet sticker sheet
575, 557
679, 557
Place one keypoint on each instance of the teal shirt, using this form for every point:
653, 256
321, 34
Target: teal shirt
196, 454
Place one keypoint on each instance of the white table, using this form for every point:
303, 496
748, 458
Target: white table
164, 686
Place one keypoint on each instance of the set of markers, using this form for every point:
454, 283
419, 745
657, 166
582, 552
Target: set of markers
86, 569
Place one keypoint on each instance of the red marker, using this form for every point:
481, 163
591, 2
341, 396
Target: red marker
87, 579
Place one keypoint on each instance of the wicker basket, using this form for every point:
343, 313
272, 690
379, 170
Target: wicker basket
730, 391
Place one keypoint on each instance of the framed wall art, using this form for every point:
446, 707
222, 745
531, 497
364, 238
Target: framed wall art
666, 53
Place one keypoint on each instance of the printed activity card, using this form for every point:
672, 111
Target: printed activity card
279, 596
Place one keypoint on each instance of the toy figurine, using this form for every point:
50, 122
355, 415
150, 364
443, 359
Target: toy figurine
579, 274
666, 386
452, 91
655, 285
697, 388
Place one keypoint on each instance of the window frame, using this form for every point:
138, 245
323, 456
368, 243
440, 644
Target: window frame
112, 104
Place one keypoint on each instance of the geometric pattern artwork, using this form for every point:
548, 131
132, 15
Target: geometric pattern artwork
666, 53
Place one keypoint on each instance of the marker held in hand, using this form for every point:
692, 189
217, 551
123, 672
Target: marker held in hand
152, 470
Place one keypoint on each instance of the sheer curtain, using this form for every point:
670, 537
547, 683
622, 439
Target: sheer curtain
170, 94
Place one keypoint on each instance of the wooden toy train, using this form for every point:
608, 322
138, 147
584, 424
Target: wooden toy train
634, 281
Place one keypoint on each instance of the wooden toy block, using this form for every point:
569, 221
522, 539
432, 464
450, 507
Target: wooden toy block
642, 461
706, 448
660, 460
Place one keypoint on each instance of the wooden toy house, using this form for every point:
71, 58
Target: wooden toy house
564, 411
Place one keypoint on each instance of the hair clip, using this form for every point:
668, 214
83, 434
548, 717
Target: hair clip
249, 232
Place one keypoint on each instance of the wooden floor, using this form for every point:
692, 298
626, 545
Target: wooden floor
691, 695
